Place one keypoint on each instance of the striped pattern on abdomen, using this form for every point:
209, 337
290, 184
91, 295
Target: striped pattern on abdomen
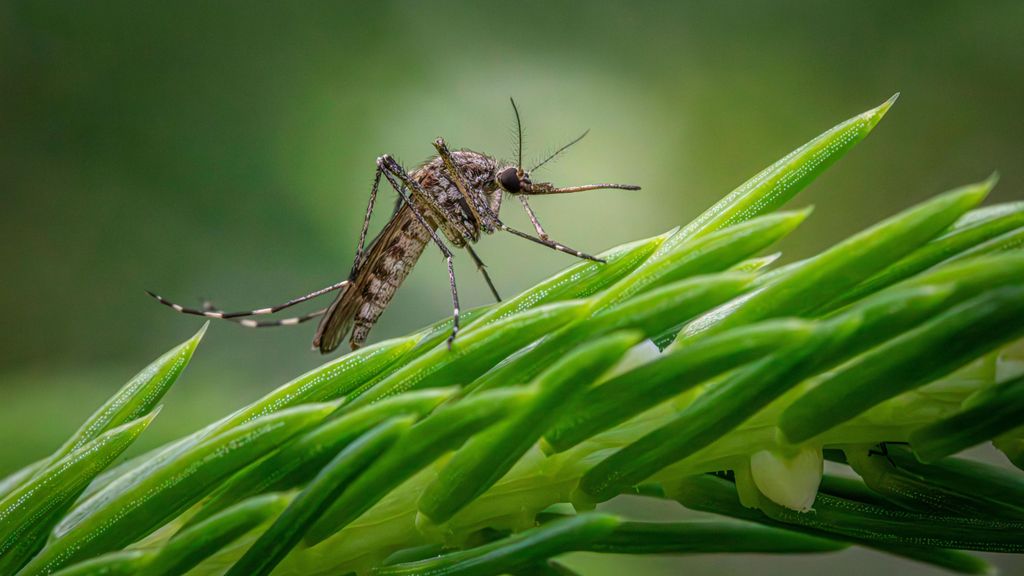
389, 263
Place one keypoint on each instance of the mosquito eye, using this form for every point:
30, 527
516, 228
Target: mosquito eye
509, 180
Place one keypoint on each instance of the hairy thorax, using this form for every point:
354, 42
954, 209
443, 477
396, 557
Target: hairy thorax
447, 208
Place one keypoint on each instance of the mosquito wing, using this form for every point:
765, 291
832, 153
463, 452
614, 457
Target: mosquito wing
387, 262
337, 321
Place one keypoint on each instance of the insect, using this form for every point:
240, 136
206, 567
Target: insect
457, 193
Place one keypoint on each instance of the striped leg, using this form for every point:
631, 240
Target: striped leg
399, 180
209, 313
550, 244
250, 323
533, 218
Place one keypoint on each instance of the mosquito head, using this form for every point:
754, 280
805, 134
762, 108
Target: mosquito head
514, 180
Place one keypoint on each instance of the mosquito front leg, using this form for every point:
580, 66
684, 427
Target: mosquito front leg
358, 260
483, 270
550, 244
399, 180
533, 218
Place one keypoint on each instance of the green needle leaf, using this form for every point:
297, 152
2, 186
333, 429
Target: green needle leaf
28, 512
577, 281
778, 183
818, 280
133, 507
325, 383
708, 537
915, 490
126, 563
329, 382
966, 233
515, 552
651, 313
300, 459
968, 278
16, 478
139, 396
632, 392
136, 398
903, 528
287, 531
473, 353
712, 253
985, 415
488, 456
876, 527
1006, 242
950, 485
194, 544
962, 333
441, 432
756, 264
718, 410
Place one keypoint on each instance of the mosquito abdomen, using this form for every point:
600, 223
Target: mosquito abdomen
389, 263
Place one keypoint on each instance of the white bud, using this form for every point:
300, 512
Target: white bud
789, 480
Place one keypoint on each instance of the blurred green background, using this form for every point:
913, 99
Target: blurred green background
225, 150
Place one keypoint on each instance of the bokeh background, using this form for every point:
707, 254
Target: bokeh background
225, 150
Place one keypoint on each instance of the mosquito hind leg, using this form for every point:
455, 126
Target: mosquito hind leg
208, 306
399, 180
293, 321
207, 310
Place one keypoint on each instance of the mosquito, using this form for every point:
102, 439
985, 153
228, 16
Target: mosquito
457, 192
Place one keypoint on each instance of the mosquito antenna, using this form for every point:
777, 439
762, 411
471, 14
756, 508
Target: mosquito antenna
519, 134
560, 150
